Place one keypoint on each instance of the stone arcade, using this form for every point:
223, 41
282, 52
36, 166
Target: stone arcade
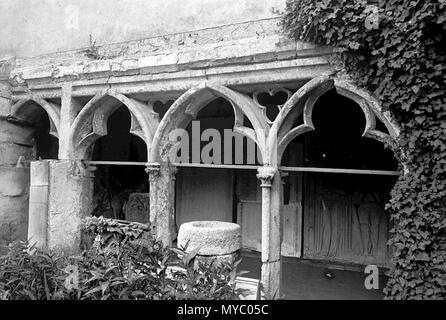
78, 95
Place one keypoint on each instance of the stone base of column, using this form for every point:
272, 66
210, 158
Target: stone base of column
70, 200
271, 278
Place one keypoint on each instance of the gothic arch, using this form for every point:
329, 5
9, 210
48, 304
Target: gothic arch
186, 108
91, 122
302, 102
24, 111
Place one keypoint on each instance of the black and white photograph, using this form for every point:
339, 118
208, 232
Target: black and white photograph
248, 152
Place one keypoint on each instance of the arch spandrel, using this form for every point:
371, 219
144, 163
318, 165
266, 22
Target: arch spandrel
186, 108
91, 122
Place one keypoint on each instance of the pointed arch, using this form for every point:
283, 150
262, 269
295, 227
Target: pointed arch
186, 108
364, 98
24, 111
91, 122
302, 102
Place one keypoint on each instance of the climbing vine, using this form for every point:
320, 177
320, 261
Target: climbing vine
396, 50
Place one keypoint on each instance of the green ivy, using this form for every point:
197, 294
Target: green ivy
396, 50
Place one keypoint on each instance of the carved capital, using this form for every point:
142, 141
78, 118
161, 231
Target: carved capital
265, 175
153, 169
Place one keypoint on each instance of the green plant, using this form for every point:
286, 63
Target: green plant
112, 229
25, 276
97, 53
129, 245
123, 263
7, 235
396, 50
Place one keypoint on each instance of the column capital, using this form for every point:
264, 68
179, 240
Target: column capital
265, 175
153, 168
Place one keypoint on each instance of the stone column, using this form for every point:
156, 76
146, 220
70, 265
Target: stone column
70, 107
70, 200
162, 201
271, 184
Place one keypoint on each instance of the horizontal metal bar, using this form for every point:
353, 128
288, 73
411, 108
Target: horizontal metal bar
336, 170
220, 166
254, 167
117, 163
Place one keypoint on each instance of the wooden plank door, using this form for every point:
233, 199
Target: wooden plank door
249, 212
249, 209
344, 218
204, 194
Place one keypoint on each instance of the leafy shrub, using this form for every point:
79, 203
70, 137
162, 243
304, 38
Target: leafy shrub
25, 276
120, 264
396, 50
107, 230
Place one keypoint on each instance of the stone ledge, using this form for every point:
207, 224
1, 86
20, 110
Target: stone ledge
243, 51
172, 85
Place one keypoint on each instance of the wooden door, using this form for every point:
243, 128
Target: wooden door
204, 194
249, 209
344, 218
249, 212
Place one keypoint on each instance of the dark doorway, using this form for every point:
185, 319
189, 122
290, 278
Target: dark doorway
205, 193
343, 214
116, 187
46, 146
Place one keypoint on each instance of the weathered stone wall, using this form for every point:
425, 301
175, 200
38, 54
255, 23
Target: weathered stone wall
15, 141
30, 28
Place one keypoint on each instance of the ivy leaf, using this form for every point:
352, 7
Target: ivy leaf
354, 45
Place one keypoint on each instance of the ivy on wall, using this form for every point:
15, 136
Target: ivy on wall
396, 49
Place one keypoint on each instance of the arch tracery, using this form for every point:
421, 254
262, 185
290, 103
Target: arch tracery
301, 103
186, 108
91, 122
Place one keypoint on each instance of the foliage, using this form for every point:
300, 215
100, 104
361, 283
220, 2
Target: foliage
97, 53
112, 229
125, 267
8, 233
396, 50
29, 277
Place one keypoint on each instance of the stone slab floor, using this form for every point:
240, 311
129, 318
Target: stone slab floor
306, 280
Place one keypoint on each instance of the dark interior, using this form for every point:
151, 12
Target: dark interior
114, 183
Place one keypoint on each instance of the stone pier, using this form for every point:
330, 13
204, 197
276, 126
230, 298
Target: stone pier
162, 201
69, 188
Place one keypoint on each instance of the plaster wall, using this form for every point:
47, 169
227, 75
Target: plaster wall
31, 28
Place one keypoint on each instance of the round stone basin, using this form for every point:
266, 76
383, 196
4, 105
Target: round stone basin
214, 238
